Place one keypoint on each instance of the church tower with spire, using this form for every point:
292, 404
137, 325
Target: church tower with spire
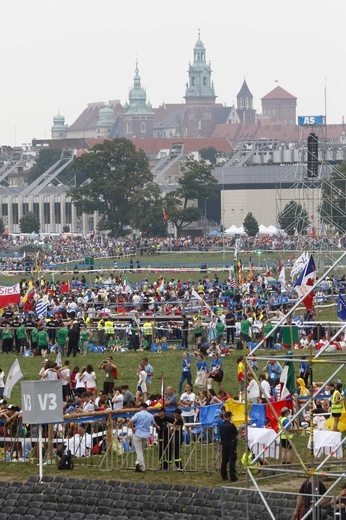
198, 120
138, 114
245, 109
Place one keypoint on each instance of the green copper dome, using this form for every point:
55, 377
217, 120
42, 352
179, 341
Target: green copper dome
106, 117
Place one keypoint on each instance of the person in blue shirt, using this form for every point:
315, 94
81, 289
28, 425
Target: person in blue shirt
216, 371
141, 423
304, 370
274, 370
186, 371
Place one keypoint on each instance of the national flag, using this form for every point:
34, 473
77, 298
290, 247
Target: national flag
250, 275
232, 282
282, 279
195, 294
127, 288
163, 390
307, 279
240, 272
280, 266
65, 287
29, 292
9, 295
165, 215
268, 273
284, 392
299, 264
341, 309
14, 375
42, 305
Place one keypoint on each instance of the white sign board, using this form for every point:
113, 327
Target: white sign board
42, 402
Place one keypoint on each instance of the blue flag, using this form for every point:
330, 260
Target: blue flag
341, 310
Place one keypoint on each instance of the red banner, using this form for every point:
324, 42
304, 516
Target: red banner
9, 295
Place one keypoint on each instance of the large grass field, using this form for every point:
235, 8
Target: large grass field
167, 363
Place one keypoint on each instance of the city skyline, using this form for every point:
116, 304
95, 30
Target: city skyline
61, 56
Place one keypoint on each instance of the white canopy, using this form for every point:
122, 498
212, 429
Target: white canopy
234, 230
270, 230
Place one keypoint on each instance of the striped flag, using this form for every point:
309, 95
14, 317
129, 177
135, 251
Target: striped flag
42, 305
14, 375
232, 282
29, 292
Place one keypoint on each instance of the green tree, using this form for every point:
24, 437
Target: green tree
333, 206
117, 173
294, 218
66, 229
29, 223
209, 154
250, 225
2, 226
148, 215
196, 182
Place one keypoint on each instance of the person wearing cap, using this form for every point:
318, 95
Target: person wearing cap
141, 422
337, 405
285, 427
228, 437
164, 437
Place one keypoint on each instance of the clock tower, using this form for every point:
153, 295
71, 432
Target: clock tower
198, 120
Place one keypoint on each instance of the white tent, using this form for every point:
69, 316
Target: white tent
233, 230
270, 230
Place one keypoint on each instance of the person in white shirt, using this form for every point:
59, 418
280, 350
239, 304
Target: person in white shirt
253, 390
118, 399
80, 444
188, 399
50, 373
142, 382
265, 388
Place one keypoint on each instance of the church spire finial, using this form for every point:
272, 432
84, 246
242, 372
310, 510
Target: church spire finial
136, 70
199, 33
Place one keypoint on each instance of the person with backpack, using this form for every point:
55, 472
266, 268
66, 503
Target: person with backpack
111, 374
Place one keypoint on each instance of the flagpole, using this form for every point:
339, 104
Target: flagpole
300, 300
40, 446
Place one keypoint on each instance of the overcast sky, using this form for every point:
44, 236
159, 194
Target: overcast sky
58, 55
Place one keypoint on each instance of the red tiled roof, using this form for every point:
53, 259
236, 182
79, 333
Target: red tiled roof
278, 93
153, 146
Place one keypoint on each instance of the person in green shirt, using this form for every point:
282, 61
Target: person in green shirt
43, 341
22, 336
245, 330
61, 338
220, 328
84, 339
7, 339
34, 340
